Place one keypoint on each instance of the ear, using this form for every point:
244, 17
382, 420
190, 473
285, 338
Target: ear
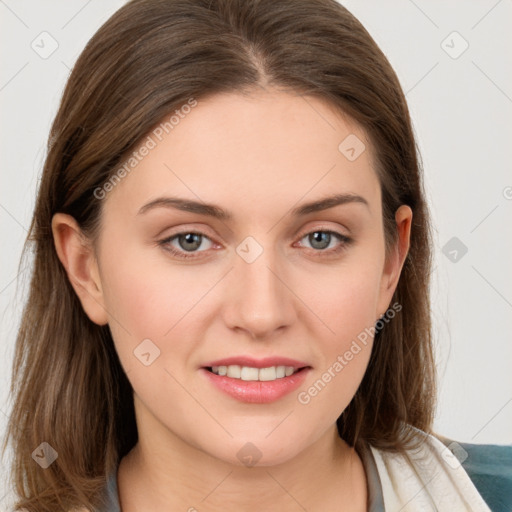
77, 256
393, 265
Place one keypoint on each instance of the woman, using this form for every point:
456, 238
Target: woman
230, 301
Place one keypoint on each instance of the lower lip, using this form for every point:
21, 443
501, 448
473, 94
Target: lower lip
255, 391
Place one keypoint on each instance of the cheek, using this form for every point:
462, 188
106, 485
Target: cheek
344, 298
148, 297
344, 355
147, 292
345, 301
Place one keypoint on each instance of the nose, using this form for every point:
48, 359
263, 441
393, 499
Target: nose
260, 300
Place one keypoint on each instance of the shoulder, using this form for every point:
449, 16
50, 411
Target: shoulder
490, 468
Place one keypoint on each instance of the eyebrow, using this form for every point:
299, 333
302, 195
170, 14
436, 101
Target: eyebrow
217, 212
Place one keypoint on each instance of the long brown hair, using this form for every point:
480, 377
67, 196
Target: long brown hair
147, 60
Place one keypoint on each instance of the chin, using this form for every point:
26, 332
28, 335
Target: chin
258, 451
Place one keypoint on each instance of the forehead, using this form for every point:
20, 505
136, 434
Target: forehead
254, 152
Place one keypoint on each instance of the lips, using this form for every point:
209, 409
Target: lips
251, 362
256, 391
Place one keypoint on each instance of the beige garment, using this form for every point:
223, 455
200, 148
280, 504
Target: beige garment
428, 479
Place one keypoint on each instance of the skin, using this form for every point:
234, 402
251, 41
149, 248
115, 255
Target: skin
257, 156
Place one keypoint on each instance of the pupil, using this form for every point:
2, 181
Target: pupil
320, 237
190, 238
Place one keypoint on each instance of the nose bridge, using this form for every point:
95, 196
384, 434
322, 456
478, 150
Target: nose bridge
260, 301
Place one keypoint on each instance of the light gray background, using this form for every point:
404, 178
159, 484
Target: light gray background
462, 115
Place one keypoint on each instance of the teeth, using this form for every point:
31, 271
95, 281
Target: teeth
267, 373
234, 371
247, 373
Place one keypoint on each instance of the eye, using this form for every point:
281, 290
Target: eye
325, 240
186, 242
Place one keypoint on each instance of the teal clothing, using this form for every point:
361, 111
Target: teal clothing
488, 466
490, 469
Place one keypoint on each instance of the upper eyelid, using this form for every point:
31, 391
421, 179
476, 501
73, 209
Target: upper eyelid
303, 233
204, 229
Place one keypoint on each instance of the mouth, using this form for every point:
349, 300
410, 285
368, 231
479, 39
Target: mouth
248, 373
256, 381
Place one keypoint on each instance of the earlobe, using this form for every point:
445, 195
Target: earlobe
395, 262
78, 258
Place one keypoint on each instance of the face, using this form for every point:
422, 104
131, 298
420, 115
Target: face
263, 285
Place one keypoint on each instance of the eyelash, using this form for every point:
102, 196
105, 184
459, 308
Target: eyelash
345, 241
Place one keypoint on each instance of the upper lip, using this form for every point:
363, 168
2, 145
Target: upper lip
251, 362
